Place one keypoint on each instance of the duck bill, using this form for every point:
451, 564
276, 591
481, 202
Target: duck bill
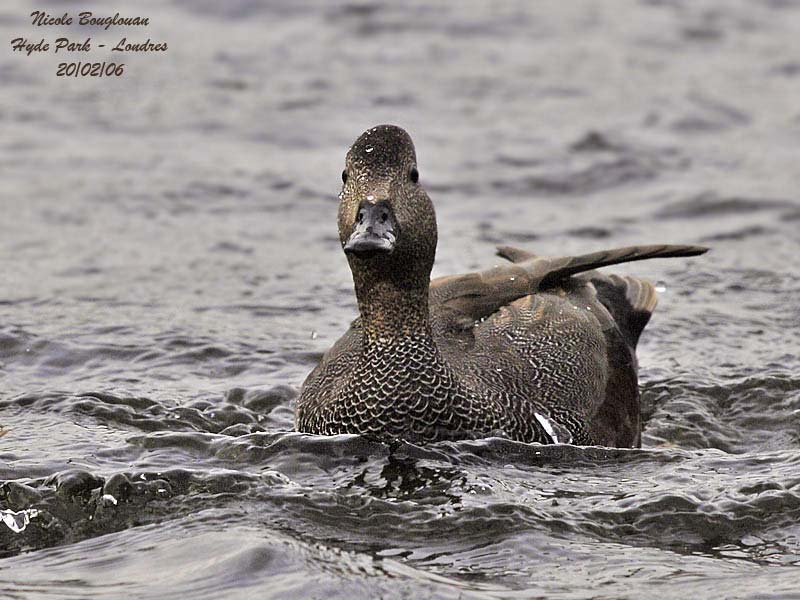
374, 232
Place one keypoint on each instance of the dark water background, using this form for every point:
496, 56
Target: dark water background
169, 273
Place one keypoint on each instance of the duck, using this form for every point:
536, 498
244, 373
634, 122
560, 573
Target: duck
537, 349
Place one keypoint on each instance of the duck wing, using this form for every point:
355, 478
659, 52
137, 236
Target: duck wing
475, 296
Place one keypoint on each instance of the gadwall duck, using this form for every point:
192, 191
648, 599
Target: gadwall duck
536, 350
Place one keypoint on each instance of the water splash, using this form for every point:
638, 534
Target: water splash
18, 521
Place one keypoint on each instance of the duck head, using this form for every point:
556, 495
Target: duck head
387, 225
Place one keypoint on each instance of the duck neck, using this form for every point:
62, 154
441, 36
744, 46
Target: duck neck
392, 312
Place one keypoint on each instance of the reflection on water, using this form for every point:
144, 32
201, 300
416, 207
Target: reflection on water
171, 272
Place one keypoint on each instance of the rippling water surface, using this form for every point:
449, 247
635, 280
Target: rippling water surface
169, 273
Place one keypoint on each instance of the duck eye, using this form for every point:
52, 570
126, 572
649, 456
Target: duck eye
413, 174
344, 176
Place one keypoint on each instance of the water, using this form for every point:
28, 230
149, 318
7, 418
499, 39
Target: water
170, 274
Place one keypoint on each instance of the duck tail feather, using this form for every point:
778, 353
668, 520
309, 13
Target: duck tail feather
630, 300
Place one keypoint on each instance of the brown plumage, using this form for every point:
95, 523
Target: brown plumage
538, 350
